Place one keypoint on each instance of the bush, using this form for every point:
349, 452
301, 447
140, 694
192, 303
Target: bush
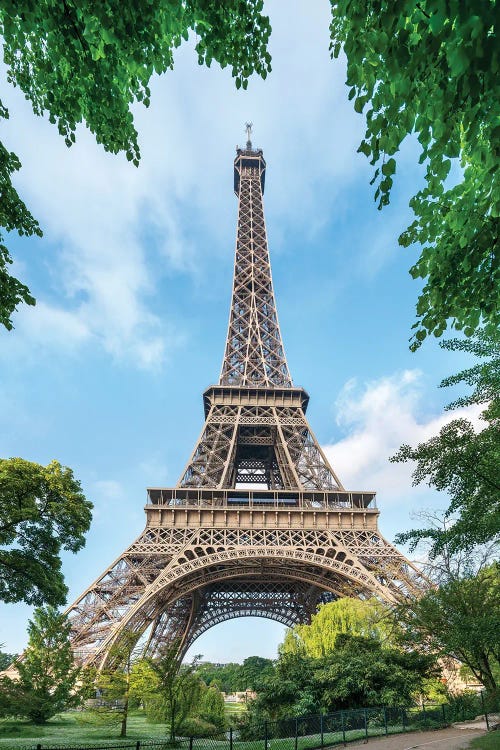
463, 706
249, 727
426, 722
154, 708
193, 726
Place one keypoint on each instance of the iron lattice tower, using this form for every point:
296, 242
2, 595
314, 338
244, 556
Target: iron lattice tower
259, 523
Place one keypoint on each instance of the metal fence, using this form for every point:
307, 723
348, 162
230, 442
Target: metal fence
303, 733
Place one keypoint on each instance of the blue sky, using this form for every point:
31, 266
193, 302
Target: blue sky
133, 282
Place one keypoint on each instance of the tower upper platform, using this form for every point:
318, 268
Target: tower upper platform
249, 158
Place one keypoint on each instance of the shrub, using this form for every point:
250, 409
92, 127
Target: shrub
193, 726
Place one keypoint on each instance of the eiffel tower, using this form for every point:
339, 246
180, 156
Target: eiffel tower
259, 524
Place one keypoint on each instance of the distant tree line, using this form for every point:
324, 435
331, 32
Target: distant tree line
233, 677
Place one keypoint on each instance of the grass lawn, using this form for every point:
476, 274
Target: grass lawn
71, 727
490, 741
234, 709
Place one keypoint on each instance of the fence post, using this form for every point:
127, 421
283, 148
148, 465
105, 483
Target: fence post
265, 735
343, 725
366, 723
485, 711
190, 743
423, 711
321, 730
296, 734
230, 738
39, 746
138, 745
444, 712
403, 718
385, 720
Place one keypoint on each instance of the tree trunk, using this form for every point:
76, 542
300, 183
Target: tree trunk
172, 720
123, 731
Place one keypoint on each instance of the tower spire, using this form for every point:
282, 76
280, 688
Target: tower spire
254, 354
248, 128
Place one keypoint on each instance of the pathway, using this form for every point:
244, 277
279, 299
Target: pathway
441, 739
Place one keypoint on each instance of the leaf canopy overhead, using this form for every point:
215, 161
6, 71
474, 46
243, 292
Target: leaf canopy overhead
431, 68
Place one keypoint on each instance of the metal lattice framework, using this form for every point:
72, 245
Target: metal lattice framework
259, 524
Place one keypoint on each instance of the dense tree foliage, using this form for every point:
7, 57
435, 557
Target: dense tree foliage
178, 689
254, 670
462, 460
348, 657
290, 691
14, 216
360, 671
42, 510
431, 68
126, 681
89, 62
6, 660
47, 673
460, 619
177, 695
227, 676
232, 678
367, 618
115, 686
211, 707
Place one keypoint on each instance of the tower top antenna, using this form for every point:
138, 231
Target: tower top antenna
248, 128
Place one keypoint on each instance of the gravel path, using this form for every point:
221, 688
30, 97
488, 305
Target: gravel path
442, 739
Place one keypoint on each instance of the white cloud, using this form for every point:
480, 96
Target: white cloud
109, 489
378, 417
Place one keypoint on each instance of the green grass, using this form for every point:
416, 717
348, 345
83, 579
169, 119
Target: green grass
234, 709
490, 741
70, 728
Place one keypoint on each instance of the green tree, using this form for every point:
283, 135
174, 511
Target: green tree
42, 510
361, 672
254, 670
227, 676
179, 688
431, 68
211, 708
14, 216
464, 461
460, 619
289, 691
114, 684
6, 660
89, 62
367, 618
144, 682
47, 672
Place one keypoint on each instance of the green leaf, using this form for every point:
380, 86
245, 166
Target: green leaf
389, 167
